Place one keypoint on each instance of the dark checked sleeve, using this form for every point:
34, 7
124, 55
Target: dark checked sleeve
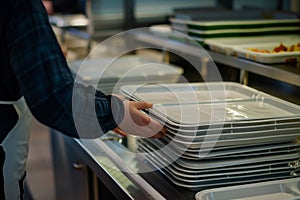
67, 6
46, 82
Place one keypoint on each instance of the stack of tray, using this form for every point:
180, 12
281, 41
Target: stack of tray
220, 133
224, 23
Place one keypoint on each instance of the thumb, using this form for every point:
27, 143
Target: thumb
143, 105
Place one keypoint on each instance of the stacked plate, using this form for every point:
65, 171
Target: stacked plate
220, 133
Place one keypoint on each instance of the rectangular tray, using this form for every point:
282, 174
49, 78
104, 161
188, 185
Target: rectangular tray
205, 35
225, 154
237, 128
235, 28
230, 169
212, 170
210, 19
230, 112
287, 189
167, 156
237, 142
215, 152
268, 58
197, 184
191, 92
217, 176
231, 135
239, 47
233, 24
171, 97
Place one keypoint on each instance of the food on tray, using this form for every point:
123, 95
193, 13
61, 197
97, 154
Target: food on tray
278, 49
259, 50
294, 47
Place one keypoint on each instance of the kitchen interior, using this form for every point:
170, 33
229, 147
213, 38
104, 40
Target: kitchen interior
196, 58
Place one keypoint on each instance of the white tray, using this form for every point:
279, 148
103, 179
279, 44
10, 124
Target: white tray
248, 110
162, 162
196, 185
239, 47
191, 92
231, 135
248, 128
224, 177
237, 142
167, 156
232, 151
235, 28
226, 155
212, 23
211, 172
250, 30
242, 104
268, 58
286, 189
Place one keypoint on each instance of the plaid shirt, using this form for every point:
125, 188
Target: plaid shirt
69, 6
32, 65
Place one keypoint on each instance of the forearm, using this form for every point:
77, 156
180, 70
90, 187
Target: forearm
85, 113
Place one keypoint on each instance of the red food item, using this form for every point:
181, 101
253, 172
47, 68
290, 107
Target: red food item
279, 48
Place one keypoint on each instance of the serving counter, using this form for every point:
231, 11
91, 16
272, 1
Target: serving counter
105, 169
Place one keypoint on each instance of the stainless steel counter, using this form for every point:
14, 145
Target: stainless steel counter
112, 164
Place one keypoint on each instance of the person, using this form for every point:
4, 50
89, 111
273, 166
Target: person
35, 80
64, 6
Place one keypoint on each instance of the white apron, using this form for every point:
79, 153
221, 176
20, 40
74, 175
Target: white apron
15, 146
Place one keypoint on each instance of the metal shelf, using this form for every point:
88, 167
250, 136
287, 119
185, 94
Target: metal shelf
281, 72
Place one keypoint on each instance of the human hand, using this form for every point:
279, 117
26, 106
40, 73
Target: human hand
64, 50
119, 132
139, 124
